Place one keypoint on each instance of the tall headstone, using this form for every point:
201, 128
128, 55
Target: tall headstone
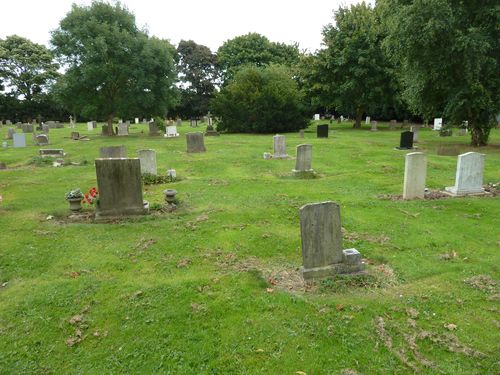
301, 133
153, 129
415, 173
321, 235
120, 187
373, 126
322, 131
303, 160
415, 129
469, 176
136, 120
147, 159
113, 152
279, 145
406, 141
122, 129
368, 120
195, 142
19, 140
194, 122
90, 126
438, 123
10, 133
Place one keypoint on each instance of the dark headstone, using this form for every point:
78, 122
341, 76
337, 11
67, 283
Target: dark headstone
406, 141
104, 130
322, 131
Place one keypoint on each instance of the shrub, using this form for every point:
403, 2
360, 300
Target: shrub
260, 100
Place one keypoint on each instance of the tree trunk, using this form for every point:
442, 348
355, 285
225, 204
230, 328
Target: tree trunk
359, 114
479, 135
110, 124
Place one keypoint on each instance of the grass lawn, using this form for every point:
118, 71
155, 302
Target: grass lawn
213, 288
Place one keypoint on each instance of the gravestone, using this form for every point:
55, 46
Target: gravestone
195, 142
415, 173
120, 187
316, 116
322, 131
178, 122
8, 122
147, 160
405, 124
90, 126
211, 132
122, 129
45, 128
136, 120
453, 150
113, 152
60, 126
279, 146
415, 129
51, 152
10, 133
153, 129
94, 124
368, 120
75, 136
392, 124
406, 141
373, 126
303, 160
104, 130
438, 123
301, 133
19, 140
171, 131
19, 125
194, 123
321, 234
27, 128
42, 140
469, 176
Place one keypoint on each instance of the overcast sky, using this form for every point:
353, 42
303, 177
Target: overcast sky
207, 22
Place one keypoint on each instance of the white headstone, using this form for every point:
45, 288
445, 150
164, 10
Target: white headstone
415, 173
373, 126
171, 131
368, 119
316, 116
279, 142
469, 176
19, 139
137, 120
90, 126
438, 123
147, 159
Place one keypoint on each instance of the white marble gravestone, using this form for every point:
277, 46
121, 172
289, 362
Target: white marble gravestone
316, 116
136, 120
19, 139
279, 143
90, 126
171, 131
147, 159
438, 123
469, 176
415, 173
368, 120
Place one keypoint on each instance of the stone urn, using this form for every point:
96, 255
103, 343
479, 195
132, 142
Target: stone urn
170, 196
75, 204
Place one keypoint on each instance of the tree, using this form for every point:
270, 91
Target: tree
254, 49
198, 76
27, 68
113, 68
448, 53
353, 74
260, 100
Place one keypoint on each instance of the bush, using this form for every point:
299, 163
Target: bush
260, 100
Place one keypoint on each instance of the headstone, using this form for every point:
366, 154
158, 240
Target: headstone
415, 129
10, 133
373, 126
415, 173
405, 124
27, 128
453, 150
171, 131
120, 187
406, 141
90, 126
51, 152
438, 123
136, 120
42, 140
122, 129
211, 132
94, 124
301, 133
368, 120
104, 130
75, 136
341, 118
113, 152
19, 125
317, 117
303, 160
279, 145
392, 124
19, 140
194, 123
8, 122
147, 160
195, 142
322, 131
321, 234
153, 129
45, 128
178, 122
60, 126
469, 176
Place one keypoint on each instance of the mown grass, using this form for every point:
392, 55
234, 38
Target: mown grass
212, 289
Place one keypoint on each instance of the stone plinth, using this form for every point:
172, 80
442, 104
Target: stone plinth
415, 173
303, 160
113, 152
195, 142
120, 187
279, 145
147, 159
469, 176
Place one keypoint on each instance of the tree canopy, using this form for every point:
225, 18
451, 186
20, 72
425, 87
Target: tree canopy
113, 68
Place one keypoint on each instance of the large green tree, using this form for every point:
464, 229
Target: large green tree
448, 53
26, 68
352, 74
260, 100
198, 76
113, 68
254, 49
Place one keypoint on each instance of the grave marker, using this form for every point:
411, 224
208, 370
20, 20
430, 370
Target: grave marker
406, 141
469, 175
19, 140
279, 145
322, 131
113, 152
195, 142
147, 160
415, 173
303, 160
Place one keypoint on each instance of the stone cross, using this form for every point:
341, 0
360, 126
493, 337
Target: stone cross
303, 160
147, 159
195, 142
321, 235
415, 173
113, 152
120, 187
469, 176
279, 143
373, 126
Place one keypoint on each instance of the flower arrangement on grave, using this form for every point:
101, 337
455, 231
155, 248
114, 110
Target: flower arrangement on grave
91, 197
74, 195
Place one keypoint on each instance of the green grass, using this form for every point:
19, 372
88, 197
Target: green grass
192, 292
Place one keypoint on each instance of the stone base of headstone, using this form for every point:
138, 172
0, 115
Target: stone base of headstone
211, 133
351, 264
52, 152
453, 192
304, 174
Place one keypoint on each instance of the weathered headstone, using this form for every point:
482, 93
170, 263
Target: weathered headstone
373, 126
453, 150
438, 123
301, 133
406, 141
120, 187
113, 152
19, 140
27, 128
415, 129
147, 160
469, 176
303, 160
42, 140
195, 142
10, 133
279, 146
368, 120
171, 131
122, 129
194, 122
153, 129
392, 124
45, 128
104, 130
322, 131
178, 122
8, 122
321, 234
51, 152
75, 136
90, 126
415, 173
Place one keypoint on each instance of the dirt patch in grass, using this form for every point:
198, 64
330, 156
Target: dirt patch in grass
483, 283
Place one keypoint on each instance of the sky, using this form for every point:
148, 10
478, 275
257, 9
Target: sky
207, 22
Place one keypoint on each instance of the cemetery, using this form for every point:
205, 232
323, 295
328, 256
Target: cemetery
255, 209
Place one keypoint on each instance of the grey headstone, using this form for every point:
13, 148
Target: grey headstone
122, 129
415, 173
153, 129
51, 152
373, 126
147, 159
301, 133
304, 159
8, 122
42, 140
469, 176
178, 122
120, 187
10, 133
415, 129
19, 140
75, 136
45, 128
392, 124
279, 145
27, 128
113, 152
195, 142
